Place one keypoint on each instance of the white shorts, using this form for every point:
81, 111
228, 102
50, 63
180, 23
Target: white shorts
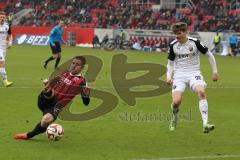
2, 54
191, 80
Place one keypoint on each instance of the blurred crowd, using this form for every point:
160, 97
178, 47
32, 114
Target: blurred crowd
205, 15
219, 16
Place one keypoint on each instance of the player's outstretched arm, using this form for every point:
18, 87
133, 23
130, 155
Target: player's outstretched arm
170, 72
49, 83
86, 96
9, 40
213, 64
85, 93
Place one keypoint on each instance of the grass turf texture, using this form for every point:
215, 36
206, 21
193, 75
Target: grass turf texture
111, 136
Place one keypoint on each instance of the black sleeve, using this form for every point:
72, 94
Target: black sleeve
83, 83
171, 54
86, 100
9, 30
201, 47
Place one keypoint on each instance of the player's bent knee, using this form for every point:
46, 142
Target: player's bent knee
47, 119
176, 103
201, 94
55, 56
2, 64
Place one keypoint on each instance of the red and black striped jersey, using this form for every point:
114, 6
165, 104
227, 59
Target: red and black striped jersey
67, 87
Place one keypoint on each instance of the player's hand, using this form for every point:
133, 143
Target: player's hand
46, 85
86, 91
45, 82
215, 77
54, 80
9, 45
169, 81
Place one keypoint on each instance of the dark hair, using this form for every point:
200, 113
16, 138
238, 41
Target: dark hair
81, 58
2, 13
180, 26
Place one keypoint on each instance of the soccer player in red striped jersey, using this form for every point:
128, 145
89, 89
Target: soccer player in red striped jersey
58, 92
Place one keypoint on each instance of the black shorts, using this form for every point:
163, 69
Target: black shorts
49, 105
56, 48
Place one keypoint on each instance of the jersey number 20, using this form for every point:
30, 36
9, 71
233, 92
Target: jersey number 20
198, 77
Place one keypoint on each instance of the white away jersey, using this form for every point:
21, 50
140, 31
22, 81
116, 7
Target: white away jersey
4, 31
186, 56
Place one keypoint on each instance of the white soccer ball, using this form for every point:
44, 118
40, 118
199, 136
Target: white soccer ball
55, 132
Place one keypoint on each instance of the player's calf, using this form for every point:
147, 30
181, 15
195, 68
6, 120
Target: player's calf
174, 118
47, 119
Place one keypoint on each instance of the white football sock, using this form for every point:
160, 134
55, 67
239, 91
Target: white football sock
3, 73
203, 107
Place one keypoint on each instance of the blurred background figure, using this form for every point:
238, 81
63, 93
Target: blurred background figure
10, 18
56, 39
95, 41
233, 42
224, 42
217, 43
105, 40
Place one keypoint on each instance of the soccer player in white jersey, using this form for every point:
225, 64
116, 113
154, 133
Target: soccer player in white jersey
5, 42
183, 69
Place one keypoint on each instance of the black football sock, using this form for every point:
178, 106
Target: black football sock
37, 130
49, 59
57, 62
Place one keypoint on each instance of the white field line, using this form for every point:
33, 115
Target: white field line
194, 157
108, 87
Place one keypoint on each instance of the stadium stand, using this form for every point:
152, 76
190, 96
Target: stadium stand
204, 16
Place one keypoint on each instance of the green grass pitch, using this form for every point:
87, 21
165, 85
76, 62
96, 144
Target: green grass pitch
111, 136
